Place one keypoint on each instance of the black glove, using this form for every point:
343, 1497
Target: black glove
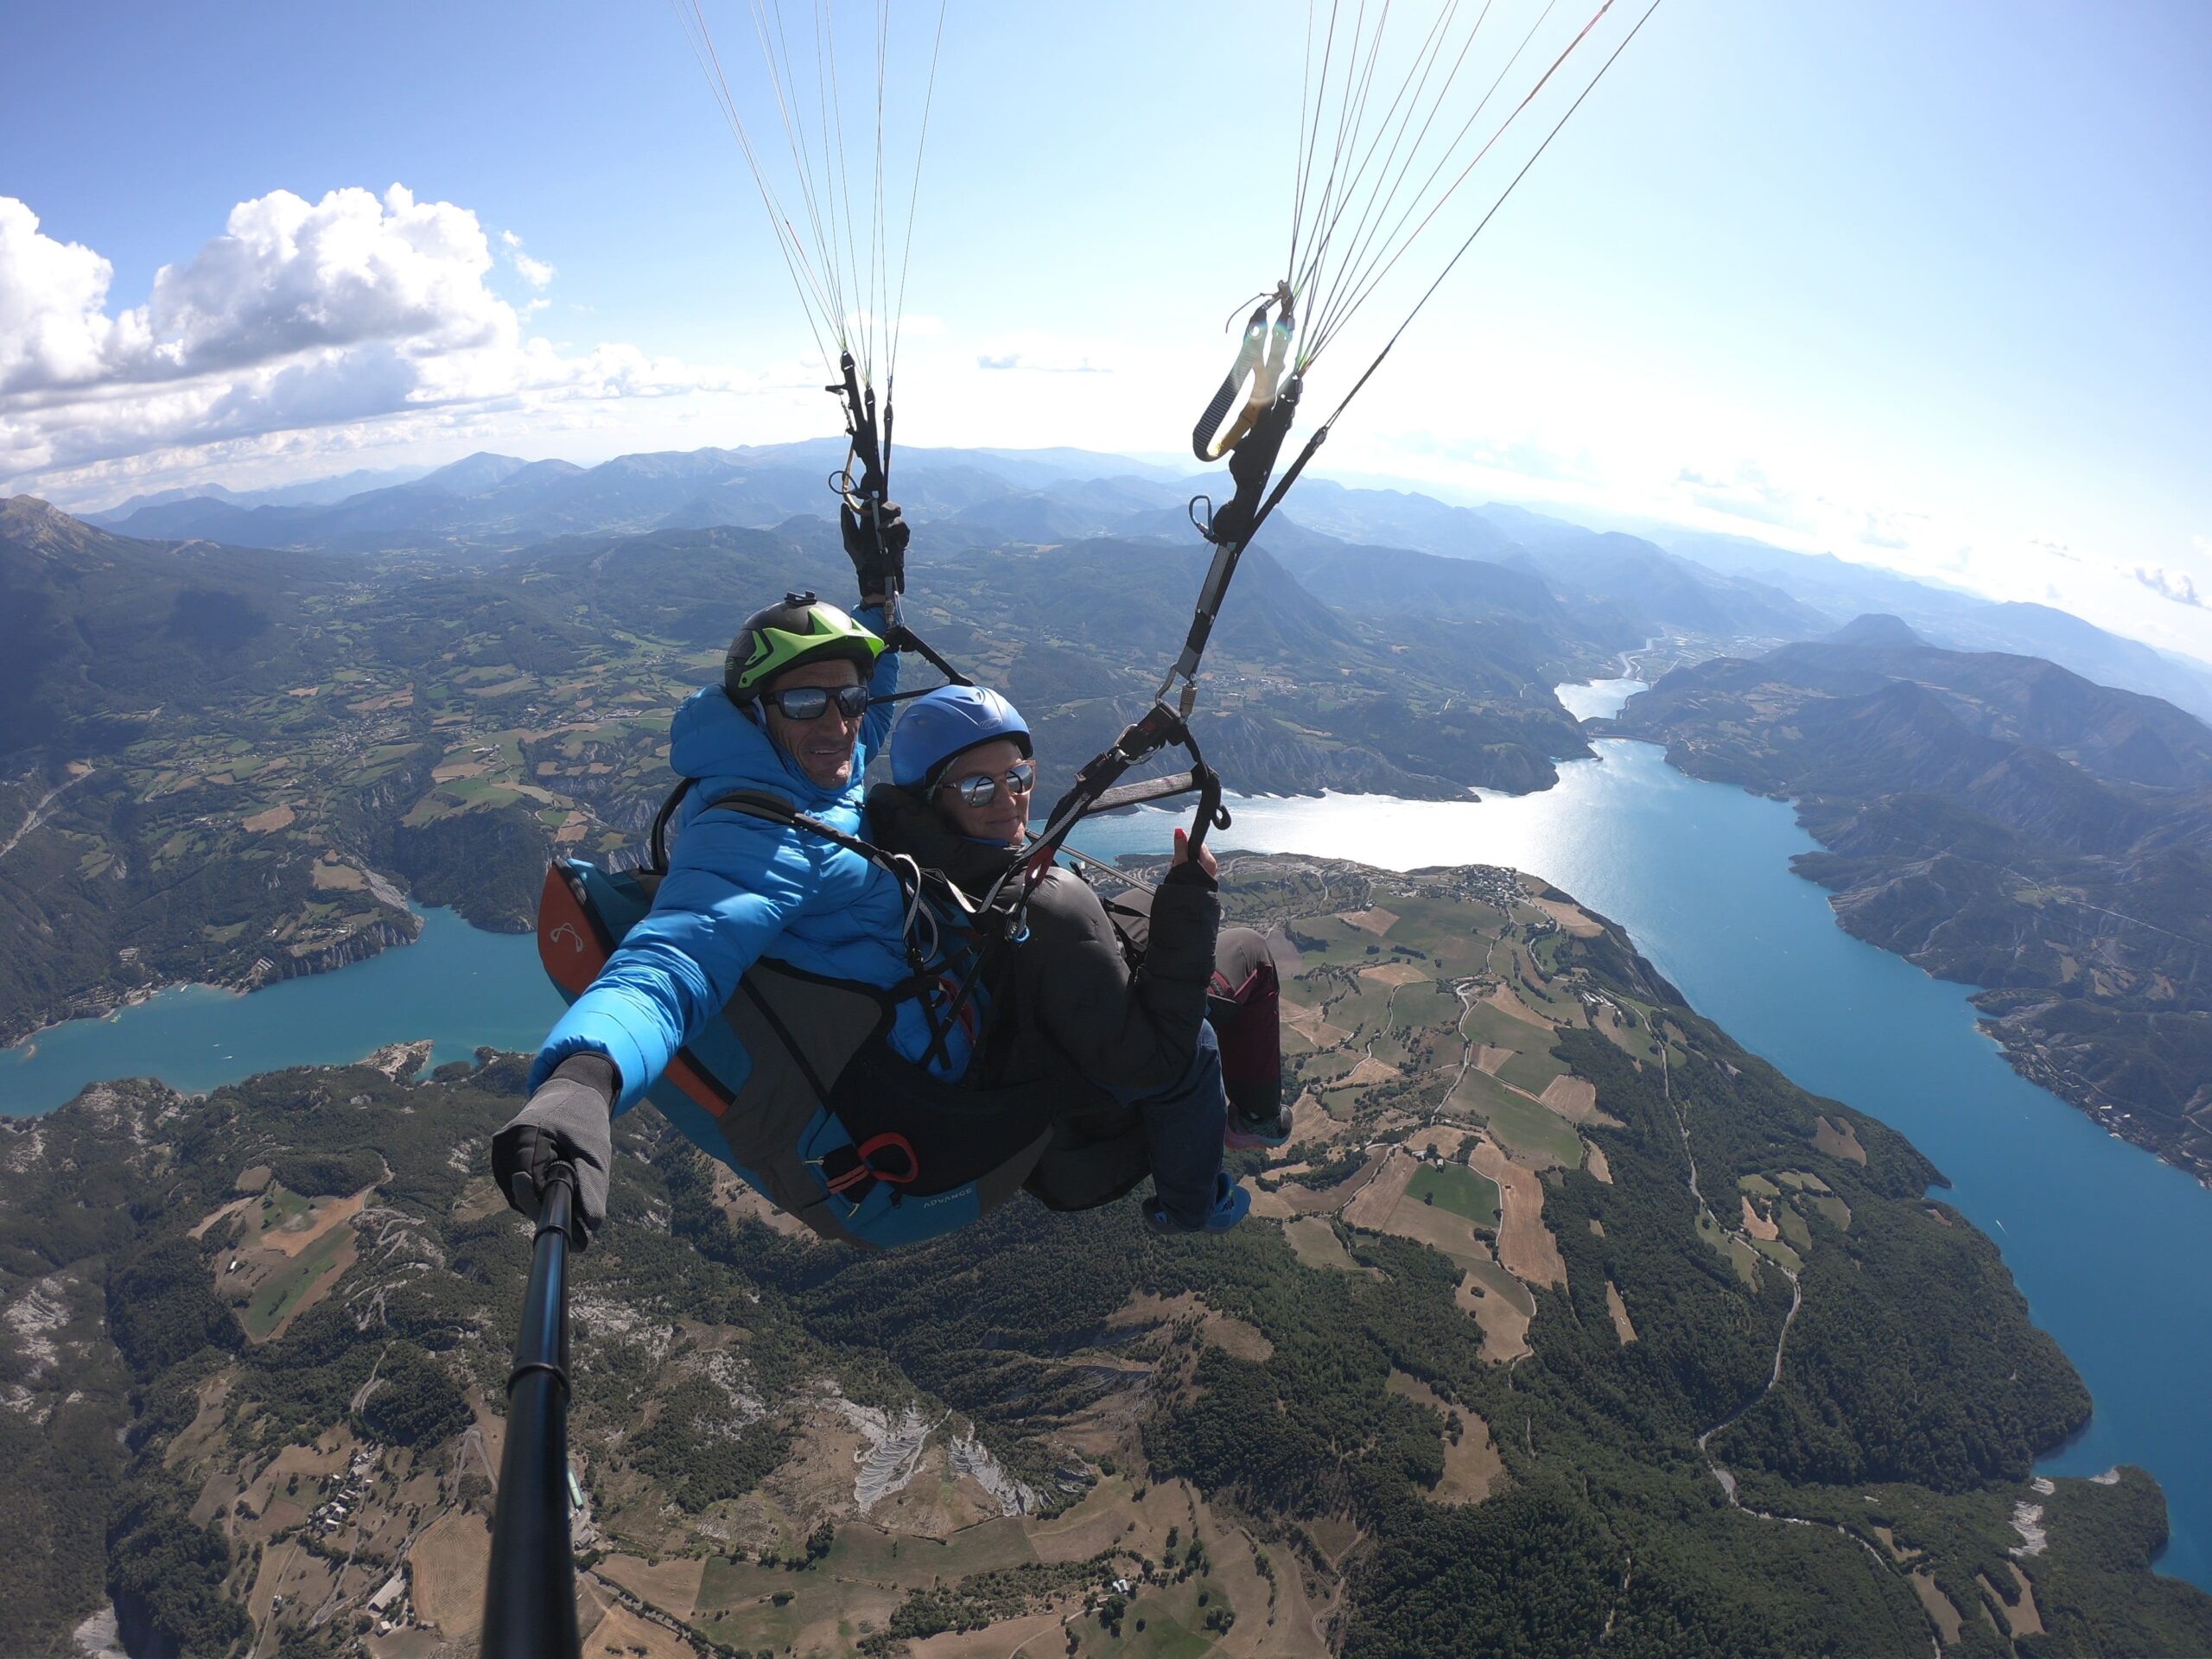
570, 1120
875, 540
1190, 873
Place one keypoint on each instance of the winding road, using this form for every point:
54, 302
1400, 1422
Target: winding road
1720, 1472
36, 816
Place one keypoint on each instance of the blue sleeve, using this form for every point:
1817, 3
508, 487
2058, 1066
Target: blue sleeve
876, 726
734, 883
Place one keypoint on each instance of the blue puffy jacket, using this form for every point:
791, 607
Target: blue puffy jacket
737, 889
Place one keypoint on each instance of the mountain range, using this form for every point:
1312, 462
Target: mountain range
225, 760
1696, 582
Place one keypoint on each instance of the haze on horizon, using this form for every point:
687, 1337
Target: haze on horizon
1917, 286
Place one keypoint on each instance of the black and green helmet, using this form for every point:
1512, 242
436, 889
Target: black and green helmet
802, 629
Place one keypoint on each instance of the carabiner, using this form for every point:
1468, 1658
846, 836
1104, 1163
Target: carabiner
1261, 359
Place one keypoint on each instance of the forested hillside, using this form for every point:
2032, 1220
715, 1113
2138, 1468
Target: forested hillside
1487, 1371
2002, 822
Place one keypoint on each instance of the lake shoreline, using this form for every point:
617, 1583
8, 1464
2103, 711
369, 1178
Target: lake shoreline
2019, 1047
1697, 874
461, 986
97, 1006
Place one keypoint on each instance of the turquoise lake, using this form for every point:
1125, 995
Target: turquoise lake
2113, 1248
456, 985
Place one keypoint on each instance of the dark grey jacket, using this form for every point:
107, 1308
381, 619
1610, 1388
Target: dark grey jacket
1070, 980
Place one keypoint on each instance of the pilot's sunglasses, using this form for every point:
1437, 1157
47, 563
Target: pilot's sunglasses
983, 788
812, 702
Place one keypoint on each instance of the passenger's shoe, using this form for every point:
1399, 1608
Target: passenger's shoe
1231, 1203
1241, 1134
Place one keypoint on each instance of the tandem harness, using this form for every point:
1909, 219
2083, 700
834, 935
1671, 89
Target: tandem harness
798, 1089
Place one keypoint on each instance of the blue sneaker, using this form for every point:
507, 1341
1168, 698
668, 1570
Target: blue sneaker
1242, 1133
1230, 1204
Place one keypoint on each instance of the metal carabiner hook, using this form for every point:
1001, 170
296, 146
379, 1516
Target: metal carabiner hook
1259, 361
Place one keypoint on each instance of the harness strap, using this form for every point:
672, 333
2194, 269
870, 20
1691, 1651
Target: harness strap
864, 1169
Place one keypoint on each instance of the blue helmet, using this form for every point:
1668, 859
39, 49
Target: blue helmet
945, 724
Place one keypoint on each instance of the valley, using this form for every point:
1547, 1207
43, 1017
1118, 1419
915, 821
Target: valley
1492, 1320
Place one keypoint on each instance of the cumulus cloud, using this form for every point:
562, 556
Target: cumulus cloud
2176, 585
533, 271
53, 328
298, 315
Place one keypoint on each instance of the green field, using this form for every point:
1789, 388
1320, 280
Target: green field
1342, 944
1362, 1012
1532, 1071
1341, 1103
1458, 1189
1794, 1228
1174, 1624
1486, 1023
1329, 1065
278, 1205
1519, 1124
1741, 1255
868, 1555
1423, 1005
1447, 932
277, 1299
1775, 1250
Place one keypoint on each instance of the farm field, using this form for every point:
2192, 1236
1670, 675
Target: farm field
1458, 1189
784, 1449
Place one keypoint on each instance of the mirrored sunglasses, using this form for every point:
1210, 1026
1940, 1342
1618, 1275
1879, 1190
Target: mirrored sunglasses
811, 702
983, 788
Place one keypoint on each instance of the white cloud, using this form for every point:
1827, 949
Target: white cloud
535, 271
2176, 585
299, 315
54, 329
1031, 350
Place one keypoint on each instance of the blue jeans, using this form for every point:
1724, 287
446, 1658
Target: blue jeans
1183, 1123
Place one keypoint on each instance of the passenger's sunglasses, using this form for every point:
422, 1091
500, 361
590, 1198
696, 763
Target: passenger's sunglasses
812, 702
983, 788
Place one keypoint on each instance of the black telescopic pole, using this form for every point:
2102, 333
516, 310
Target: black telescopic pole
530, 1595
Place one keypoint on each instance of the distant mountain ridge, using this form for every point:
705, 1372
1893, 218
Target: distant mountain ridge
190, 674
313, 490
1623, 590
1960, 620
982, 497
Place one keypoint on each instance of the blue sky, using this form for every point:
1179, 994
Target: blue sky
1918, 284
